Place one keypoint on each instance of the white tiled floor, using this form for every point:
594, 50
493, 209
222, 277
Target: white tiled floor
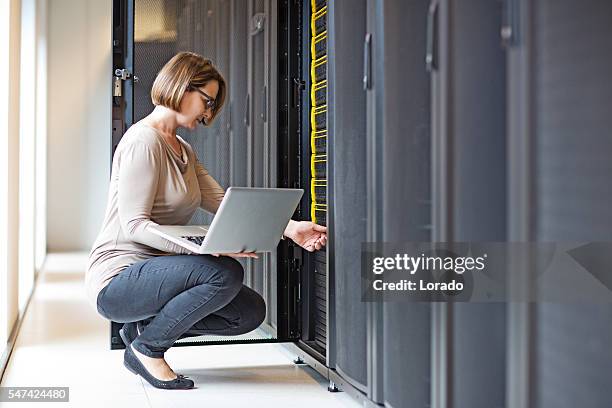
64, 342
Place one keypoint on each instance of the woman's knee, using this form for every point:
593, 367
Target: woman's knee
233, 273
219, 269
255, 313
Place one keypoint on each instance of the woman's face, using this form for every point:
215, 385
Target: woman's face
194, 106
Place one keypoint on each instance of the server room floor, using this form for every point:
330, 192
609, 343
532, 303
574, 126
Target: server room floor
63, 342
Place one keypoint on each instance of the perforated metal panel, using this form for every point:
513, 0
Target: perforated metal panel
573, 100
407, 362
478, 139
402, 82
347, 152
162, 29
573, 96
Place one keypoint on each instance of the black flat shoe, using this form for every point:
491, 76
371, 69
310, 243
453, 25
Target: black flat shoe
132, 363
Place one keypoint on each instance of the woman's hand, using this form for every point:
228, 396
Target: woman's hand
239, 255
306, 234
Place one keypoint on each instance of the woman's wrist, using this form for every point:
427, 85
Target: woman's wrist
288, 233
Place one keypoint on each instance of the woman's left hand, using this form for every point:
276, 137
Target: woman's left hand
306, 234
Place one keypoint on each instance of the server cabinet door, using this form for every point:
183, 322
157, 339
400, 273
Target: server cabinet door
239, 148
468, 85
470, 118
561, 141
346, 152
400, 128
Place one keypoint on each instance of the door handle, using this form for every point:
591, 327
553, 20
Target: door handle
367, 62
264, 105
509, 28
247, 111
431, 56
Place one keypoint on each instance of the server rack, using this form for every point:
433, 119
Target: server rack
358, 367
429, 144
469, 140
559, 133
347, 345
400, 208
320, 117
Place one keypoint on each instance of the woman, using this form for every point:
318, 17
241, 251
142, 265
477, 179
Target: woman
159, 290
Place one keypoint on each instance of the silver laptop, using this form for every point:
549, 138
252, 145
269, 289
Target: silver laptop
248, 220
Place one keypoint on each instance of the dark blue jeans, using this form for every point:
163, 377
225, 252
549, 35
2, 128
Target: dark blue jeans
181, 296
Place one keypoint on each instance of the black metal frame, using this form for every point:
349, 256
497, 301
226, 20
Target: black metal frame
289, 159
300, 38
122, 106
123, 58
289, 256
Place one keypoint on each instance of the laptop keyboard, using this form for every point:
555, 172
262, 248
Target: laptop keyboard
198, 239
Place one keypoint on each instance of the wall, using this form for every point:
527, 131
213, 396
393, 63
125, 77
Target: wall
40, 210
9, 168
79, 97
27, 150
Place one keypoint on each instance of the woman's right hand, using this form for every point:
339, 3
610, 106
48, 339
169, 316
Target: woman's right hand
240, 255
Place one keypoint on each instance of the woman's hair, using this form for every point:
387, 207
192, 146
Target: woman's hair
186, 69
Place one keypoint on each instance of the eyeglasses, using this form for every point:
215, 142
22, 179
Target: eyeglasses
209, 102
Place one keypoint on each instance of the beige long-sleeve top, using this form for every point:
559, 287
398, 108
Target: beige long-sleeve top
150, 185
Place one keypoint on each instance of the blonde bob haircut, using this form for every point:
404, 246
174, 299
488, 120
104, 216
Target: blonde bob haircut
184, 70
